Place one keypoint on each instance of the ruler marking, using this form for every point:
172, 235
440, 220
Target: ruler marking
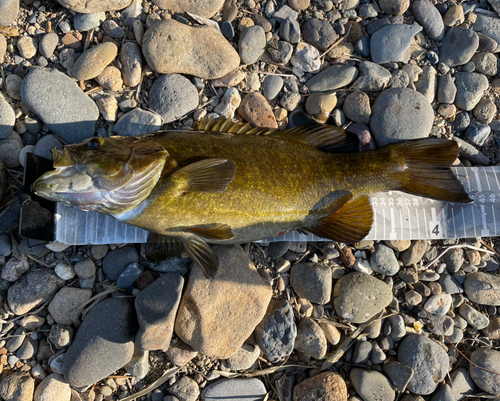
453, 220
383, 216
494, 219
401, 221
474, 222
425, 225
418, 225
463, 219
485, 232
487, 181
476, 176
409, 220
495, 174
392, 234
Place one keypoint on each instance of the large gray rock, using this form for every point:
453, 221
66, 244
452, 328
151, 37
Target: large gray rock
372, 385
334, 77
156, 307
488, 359
66, 301
94, 6
252, 44
312, 281
60, 103
8, 12
357, 297
392, 43
171, 47
483, 288
401, 114
17, 386
470, 89
172, 96
428, 360
7, 118
488, 25
32, 290
429, 17
458, 46
103, 344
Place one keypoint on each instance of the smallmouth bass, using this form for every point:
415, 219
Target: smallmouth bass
228, 183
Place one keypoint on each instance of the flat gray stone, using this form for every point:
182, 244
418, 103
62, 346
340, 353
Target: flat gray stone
489, 26
65, 301
475, 318
399, 374
156, 307
7, 118
487, 359
401, 114
392, 43
427, 15
384, 261
60, 103
446, 89
334, 77
372, 77
470, 89
235, 390
462, 383
86, 22
372, 385
173, 96
138, 122
206, 8
428, 360
103, 343
458, 46
483, 288
427, 83
312, 281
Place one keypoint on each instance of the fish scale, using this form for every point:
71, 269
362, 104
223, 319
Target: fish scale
397, 215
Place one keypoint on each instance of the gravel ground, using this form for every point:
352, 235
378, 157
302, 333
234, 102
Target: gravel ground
375, 320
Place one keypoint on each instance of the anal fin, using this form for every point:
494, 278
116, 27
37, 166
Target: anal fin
350, 223
213, 231
202, 254
159, 247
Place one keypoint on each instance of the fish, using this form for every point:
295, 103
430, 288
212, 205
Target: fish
231, 183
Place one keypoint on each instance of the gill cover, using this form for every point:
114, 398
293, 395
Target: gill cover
110, 175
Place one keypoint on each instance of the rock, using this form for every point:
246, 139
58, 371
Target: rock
156, 307
15, 268
252, 44
272, 86
372, 77
116, 261
326, 386
7, 118
357, 297
290, 30
276, 333
428, 360
235, 389
85, 268
92, 62
31, 322
371, 385
310, 339
486, 359
399, 374
205, 309
361, 353
129, 276
110, 78
244, 358
111, 28
138, 122
45, 144
438, 304
53, 387
103, 344
441, 325
8, 12
13, 85
485, 63
58, 112
66, 301
394, 7
458, 46
446, 89
86, 22
94, 6
362, 47
471, 153
334, 77
27, 46
31, 290
172, 47
319, 33
17, 386
255, 109
383, 260
470, 89
312, 281
392, 43
477, 133
485, 111
400, 114
131, 59
488, 25
281, 51
454, 16
205, 9
229, 103
64, 271
306, 58
186, 389
180, 353
299, 4
492, 331
427, 15
10, 148
3, 47
14, 342
475, 318
462, 383
427, 84
139, 364
320, 105
172, 96
283, 13
357, 107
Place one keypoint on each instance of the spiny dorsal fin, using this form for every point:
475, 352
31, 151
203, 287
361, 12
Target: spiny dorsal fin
207, 175
325, 137
212, 231
351, 223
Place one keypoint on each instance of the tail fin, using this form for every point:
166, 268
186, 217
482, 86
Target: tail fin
426, 169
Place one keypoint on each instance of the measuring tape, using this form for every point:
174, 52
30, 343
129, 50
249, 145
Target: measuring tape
397, 215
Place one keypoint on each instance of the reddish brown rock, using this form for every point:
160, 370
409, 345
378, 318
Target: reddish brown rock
256, 110
110, 78
327, 386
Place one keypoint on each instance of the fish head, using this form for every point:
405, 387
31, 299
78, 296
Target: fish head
110, 175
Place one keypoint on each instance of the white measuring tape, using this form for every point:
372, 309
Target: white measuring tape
397, 215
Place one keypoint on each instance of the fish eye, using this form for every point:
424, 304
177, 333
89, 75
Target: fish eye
94, 143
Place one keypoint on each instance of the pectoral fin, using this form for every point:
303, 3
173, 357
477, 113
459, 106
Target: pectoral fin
202, 254
208, 175
213, 231
159, 247
350, 223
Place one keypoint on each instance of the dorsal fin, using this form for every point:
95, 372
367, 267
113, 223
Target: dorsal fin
325, 137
